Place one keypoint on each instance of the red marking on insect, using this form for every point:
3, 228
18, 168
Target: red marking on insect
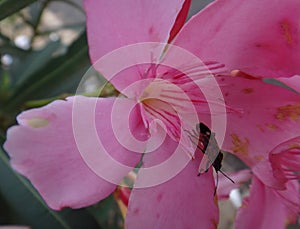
207, 144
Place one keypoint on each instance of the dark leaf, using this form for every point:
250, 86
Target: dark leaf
107, 213
28, 207
60, 75
8, 7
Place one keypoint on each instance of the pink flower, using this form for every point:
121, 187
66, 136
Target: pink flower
274, 188
269, 144
258, 39
55, 146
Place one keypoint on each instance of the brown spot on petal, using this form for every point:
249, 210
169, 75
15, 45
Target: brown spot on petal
272, 126
240, 145
248, 90
260, 127
215, 223
216, 200
258, 158
290, 111
285, 27
38, 122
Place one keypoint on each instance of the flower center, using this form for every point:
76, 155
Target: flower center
160, 101
175, 98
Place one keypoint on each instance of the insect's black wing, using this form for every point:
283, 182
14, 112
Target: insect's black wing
211, 148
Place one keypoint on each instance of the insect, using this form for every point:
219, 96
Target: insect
207, 143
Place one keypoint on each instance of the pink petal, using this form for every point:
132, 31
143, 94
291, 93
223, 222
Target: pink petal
274, 209
291, 198
263, 170
43, 148
285, 160
258, 37
226, 186
264, 116
114, 24
281, 165
185, 201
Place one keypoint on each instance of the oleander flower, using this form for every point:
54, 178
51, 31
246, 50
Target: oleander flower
57, 146
257, 40
275, 188
268, 146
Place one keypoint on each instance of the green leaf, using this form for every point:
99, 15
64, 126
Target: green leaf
280, 84
28, 207
25, 201
2, 137
60, 75
34, 62
107, 213
4, 85
9, 48
8, 7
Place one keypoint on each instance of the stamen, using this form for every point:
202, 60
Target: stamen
194, 72
166, 118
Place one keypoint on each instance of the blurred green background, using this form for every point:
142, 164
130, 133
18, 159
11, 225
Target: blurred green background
44, 54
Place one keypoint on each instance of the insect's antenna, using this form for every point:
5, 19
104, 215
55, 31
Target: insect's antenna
215, 192
227, 176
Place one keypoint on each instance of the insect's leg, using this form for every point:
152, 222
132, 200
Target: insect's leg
227, 176
194, 136
197, 146
195, 133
